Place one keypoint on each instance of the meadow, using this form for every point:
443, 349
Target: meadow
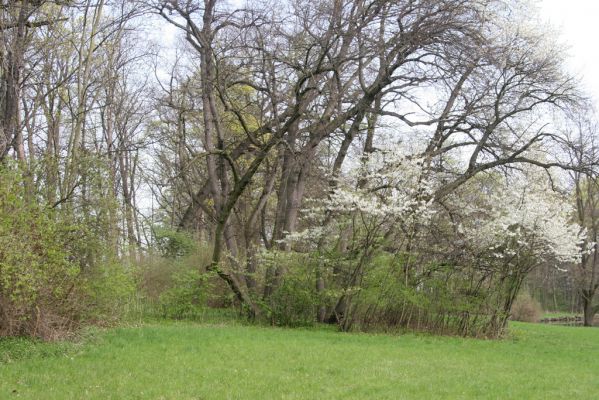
166, 360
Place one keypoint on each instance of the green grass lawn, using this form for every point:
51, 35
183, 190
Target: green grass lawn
193, 361
558, 314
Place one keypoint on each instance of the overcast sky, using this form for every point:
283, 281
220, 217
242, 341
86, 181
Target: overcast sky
578, 21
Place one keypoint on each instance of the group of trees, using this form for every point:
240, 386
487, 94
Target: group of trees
71, 121
369, 163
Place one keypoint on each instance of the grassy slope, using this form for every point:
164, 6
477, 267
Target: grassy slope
187, 361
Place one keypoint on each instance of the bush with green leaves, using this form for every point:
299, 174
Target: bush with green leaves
294, 301
172, 281
172, 243
188, 296
39, 279
108, 288
56, 271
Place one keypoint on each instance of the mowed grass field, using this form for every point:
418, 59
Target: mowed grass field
195, 361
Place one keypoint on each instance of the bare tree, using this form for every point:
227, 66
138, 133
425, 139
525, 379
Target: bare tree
312, 77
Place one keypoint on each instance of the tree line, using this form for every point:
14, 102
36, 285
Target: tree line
373, 164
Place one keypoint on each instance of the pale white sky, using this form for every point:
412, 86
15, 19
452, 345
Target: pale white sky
578, 21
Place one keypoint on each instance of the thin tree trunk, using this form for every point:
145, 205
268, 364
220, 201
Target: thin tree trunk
12, 85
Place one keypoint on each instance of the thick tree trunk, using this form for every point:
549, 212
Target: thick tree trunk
588, 308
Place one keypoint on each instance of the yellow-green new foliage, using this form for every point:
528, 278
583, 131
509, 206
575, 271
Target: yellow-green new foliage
55, 271
38, 277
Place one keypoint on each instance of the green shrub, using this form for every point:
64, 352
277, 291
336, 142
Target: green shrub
165, 285
39, 278
57, 268
294, 302
108, 289
187, 297
172, 243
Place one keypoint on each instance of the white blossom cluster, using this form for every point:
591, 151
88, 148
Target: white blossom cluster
503, 219
387, 187
532, 217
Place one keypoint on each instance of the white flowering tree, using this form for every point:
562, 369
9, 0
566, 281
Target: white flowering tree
382, 233
376, 206
515, 228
